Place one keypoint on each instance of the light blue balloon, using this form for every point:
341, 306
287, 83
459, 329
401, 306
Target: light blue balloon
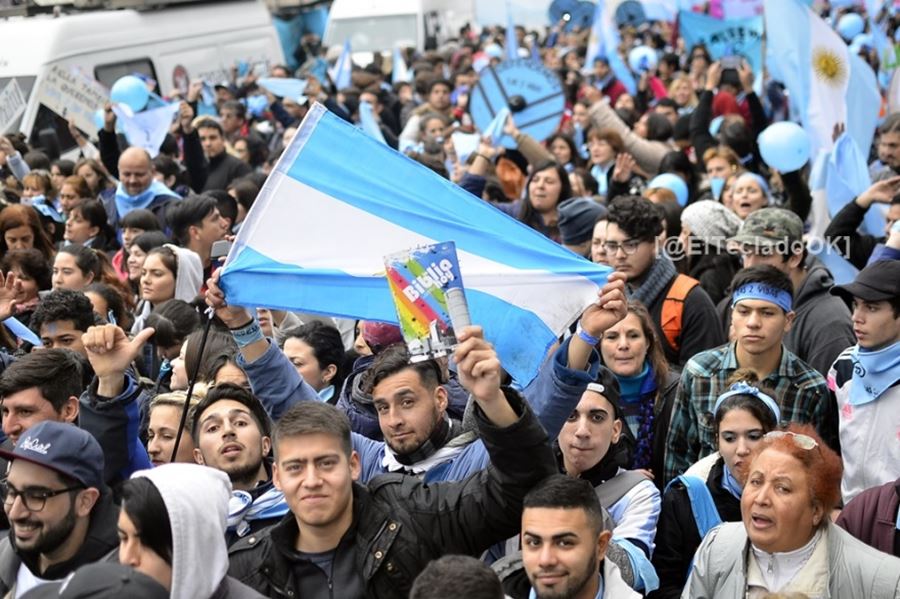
784, 146
715, 125
673, 183
850, 25
131, 91
99, 118
642, 58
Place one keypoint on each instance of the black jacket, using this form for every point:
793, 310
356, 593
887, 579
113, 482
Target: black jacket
100, 544
400, 523
215, 173
677, 537
714, 269
843, 233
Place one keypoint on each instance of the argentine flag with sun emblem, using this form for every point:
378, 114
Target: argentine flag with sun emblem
813, 63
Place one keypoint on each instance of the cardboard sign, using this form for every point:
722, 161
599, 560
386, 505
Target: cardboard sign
12, 105
71, 94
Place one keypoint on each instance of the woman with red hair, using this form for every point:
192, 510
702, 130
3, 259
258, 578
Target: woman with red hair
786, 542
21, 229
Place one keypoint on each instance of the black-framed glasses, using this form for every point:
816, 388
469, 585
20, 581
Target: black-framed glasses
34, 499
802, 441
629, 246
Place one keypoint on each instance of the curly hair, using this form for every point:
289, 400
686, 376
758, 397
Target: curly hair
639, 217
64, 304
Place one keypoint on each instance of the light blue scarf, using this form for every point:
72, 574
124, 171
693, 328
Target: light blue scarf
242, 509
126, 203
874, 372
730, 483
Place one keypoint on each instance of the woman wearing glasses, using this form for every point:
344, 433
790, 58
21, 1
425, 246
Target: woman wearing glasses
709, 493
786, 542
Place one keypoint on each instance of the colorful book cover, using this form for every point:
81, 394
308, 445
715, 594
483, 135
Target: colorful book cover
428, 291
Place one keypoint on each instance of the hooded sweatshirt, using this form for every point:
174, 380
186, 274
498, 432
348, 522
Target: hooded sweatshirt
188, 281
196, 499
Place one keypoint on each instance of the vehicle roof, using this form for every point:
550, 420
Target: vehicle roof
27, 43
345, 9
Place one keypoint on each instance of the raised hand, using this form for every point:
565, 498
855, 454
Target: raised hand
110, 353
479, 373
609, 308
232, 316
10, 287
624, 167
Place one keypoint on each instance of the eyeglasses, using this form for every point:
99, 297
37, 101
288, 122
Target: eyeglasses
33, 499
629, 246
802, 441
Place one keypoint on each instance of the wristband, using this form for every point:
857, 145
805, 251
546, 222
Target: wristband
248, 334
587, 337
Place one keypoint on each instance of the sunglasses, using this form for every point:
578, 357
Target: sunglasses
802, 441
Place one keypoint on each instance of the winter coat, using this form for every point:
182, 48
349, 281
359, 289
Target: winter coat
714, 270
213, 173
400, 523
871, 517
647, 154
854, 568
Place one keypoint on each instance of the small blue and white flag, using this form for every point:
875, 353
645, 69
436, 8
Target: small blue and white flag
343, 68
604, 41
401, 73
146, 129
284, 87
315, 238
368, 123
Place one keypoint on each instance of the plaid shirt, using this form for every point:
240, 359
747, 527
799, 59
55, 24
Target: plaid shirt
801, 392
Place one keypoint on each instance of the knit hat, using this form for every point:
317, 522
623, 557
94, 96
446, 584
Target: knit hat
379, 335
711, 221
577, 217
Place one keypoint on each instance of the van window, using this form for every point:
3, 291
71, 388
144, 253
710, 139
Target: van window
373, 34
107, 74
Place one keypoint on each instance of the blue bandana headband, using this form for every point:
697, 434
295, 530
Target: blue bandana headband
742, 388
758, 291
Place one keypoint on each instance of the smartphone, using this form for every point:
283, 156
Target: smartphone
220, 249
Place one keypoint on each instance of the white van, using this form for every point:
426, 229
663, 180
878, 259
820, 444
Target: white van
381, 25
47, 62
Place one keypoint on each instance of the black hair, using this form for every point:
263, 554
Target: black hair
232, 392
94, 212
227, 205
32, 264
678, 163
220, 350
173, 321
735, 134
257, 150
168, 167
55, 372
560, 491
66, 167
765, 274
64, 304
748, 403
144, 506
210, 123
659, 127
187, 213
527, 211
86, 259
246, 191
668, 103
237, 106
394, 359
37, 160
671, 59
457, 576
113, 300
140, 219
326, 343
566, 139
437, 82
150, 240
638, 217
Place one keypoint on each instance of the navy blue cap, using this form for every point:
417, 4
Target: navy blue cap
63, 448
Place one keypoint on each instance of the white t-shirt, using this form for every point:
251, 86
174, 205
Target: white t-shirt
25, 581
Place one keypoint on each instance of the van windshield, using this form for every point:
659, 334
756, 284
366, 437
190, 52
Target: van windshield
14, 93
373, 34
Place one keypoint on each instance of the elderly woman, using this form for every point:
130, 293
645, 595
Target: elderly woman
749, 193
705, 227
786, 542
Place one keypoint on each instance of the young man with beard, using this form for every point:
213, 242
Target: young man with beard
61, 513
350, 540
761, 315
564, 543
411, 399
233, 434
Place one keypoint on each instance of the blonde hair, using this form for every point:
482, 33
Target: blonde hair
692, 101
176, 398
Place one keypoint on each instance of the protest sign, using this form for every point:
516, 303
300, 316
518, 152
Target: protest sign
729, 37
12, 104
71, 94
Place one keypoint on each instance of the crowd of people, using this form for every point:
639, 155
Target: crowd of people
722, 422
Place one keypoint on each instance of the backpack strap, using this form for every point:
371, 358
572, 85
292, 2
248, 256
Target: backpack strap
673, 309
706, 515
618, 486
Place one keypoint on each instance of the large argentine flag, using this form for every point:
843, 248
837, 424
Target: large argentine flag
339, 201
814, 64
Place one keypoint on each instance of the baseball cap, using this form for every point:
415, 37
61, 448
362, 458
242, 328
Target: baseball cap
103, 580
577, 217
770, 227
379, 335
607, 385
63, 448
877, 282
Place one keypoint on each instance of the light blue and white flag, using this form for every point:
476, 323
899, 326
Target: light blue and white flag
400, 72
343, 68
315, 238
146, 129
494, 130
368, 123
724, 37
605, 40
512, 41
284, 87
863, 104
814, 64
